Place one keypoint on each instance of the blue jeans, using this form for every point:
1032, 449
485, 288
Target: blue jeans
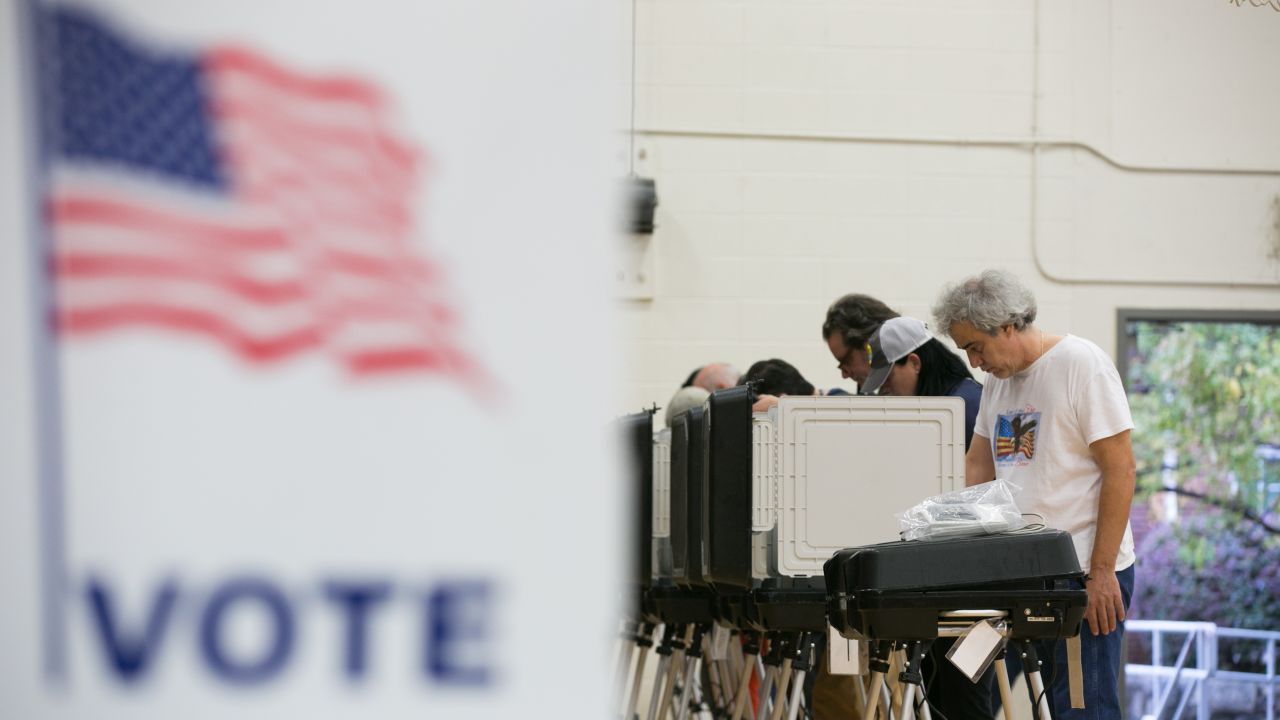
1099, 664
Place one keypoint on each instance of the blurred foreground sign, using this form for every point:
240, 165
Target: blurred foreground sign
296, 339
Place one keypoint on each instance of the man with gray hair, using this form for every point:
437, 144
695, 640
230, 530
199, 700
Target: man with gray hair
1054, 421
713, 377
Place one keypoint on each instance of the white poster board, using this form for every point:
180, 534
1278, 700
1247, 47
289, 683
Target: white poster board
191, 525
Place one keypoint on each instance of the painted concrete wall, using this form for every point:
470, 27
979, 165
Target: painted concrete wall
803, 150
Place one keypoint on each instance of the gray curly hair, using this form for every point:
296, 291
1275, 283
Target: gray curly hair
987, 301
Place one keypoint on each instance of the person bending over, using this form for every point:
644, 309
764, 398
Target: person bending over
1055, 422
907, 360
850, 322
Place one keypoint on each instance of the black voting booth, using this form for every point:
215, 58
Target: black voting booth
764, 604
635, 438
790, 611
677, 600
914, 592
686, 597
896, 590
895, 595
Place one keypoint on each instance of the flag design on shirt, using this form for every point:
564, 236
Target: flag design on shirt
217, 194
1016, 437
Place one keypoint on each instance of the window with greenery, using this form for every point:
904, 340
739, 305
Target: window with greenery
1205, 393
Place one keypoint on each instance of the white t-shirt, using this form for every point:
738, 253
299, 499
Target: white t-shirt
1041, 422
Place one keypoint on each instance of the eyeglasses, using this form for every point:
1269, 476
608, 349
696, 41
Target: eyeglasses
846, 361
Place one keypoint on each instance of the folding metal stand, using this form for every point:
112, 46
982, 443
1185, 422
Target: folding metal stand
751, 655
691, 695
954, 624
626, 647
913, 693
786, 651
723, 649
804, 660
643, 641
772, 660
1035, 682
664, 651
878, 661
1002, 681
679, 643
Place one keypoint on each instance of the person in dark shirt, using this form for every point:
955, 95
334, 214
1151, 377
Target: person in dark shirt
907, 360
775, 378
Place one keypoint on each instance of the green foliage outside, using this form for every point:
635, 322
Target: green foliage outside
1212, 392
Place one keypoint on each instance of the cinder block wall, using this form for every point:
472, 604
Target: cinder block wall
803, 150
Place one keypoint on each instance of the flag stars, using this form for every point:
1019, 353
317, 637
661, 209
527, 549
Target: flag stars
119, 105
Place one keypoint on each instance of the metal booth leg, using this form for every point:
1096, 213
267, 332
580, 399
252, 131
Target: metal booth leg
644, 641
772, 660
664, 651
879, 664
751, 652
1002, 682
1035, 682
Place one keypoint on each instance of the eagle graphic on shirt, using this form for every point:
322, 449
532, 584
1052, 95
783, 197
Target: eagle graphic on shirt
1016, 437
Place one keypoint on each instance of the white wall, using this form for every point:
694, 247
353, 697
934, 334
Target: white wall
803, 150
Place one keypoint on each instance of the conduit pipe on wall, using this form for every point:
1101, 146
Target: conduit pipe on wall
1034, 192
1033, 145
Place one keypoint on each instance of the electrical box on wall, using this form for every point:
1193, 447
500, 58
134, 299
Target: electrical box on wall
633, 274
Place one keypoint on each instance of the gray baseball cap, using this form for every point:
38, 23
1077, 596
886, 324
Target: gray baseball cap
893, 340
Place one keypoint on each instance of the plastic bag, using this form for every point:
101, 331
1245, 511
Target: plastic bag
977, 510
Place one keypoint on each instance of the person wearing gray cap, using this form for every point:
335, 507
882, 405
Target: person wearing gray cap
907, 360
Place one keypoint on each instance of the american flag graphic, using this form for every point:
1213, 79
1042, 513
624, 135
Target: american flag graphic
220, 195
1016, 435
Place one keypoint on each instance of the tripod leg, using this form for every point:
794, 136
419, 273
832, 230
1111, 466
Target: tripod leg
779, 703
668, 691
896, 688
878, 690
635, 685
1035, 683
1002, 681
744, 688
750, 656
797, 692
766, 688
925, 712
658, 682
728, 688
873, 697
908, 702
910, 679
626, 644
690, 691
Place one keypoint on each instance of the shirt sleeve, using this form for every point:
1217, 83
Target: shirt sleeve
1103, 407
982, 422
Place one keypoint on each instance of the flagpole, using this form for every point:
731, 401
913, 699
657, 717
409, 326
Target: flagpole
46, 368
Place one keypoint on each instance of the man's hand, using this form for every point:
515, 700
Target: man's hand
1106, 606
763, 403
